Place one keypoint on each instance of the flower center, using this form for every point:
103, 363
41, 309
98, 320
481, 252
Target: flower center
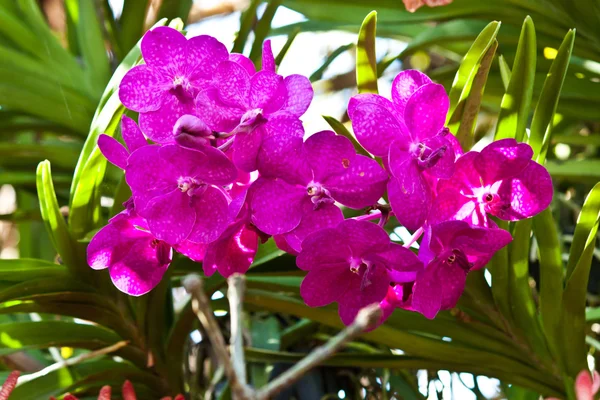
427, 156
318, 194
359, 266
191, 186
182, 88
251, 120
458, 257
163, 250
494, 204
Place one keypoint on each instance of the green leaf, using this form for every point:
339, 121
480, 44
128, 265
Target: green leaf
505, 72
341, 130
412, 343
55, 222
261, 31
91, 43
541, 125
318, 74
366, 61
19, 336
47, 41
98, 373
247, 21
131, 23
592, 314
24, 269
575, 170
500, 269
286, 46
523, 307
469, 66
575, 292
515, 107
171, 9
551, 277
468, 108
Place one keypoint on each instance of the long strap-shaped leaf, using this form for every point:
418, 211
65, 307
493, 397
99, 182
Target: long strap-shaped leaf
541, 125
54, 220
516, 103
469, 66
551, 278
366, 61
574, 296
523, 307
91, 43
470, 100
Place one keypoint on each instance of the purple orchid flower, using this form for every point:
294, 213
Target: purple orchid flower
234, 251
164, 88
501, 180
408, 132
114, 151
179, 191
353, 265
325, 169
260, 109
450, 250
135, 259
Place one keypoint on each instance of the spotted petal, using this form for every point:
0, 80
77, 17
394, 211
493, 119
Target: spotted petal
164, 48
299, 94
113, 150
528, 193
425, 112
376, 128
405, 85
158, 125
170, 216
276, 206
502, 159
324, 286
361, 185
233, 252
143, 89
363, 291
211, 215
132, 134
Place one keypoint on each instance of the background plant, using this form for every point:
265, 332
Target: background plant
54, 105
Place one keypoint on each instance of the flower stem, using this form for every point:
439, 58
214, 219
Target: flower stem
225, 146
235, 294
365, 319
201, 307
369, 217
414, 237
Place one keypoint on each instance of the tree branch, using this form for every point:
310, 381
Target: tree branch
366, 318
235, 294
201, 307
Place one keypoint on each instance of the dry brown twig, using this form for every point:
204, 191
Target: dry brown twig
234, 365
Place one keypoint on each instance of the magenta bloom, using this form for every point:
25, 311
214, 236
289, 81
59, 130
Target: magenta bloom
449, 250
502, 181
326, 169
165, 87
234, 251
135, 259
409, 133
179, 191
260, 109
352, 264
114, 151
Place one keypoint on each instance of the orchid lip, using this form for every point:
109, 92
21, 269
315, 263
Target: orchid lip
191, 186
318, 194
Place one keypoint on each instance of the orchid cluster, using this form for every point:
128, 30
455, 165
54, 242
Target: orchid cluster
228, 167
